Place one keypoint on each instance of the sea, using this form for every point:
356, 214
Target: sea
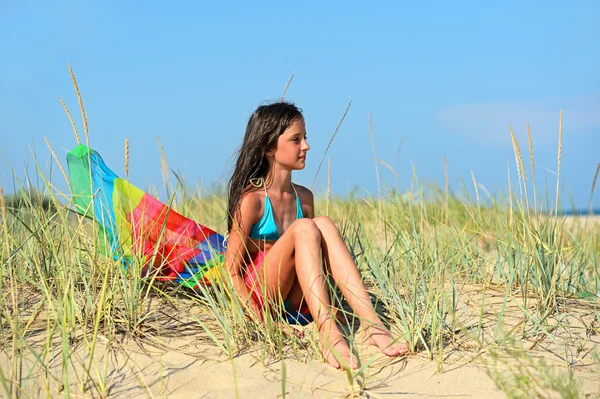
579, 212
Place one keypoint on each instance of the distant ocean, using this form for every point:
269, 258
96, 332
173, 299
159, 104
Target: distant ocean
580, 212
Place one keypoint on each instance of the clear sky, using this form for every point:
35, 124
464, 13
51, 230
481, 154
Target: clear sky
440, 78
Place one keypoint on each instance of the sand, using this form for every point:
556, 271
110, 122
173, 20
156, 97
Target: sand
197, 370
185, 375
182, 362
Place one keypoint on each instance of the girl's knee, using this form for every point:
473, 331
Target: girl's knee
324, 222
306, 228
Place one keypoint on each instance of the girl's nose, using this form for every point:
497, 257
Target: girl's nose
305, 147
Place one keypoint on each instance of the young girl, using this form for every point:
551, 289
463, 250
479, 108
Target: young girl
278, 247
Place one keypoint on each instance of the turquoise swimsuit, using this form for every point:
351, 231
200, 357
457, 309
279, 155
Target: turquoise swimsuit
266, 229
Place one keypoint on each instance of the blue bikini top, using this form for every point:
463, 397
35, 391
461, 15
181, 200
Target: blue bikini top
266, 229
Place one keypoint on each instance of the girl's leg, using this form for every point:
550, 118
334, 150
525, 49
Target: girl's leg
297, 255
349, 280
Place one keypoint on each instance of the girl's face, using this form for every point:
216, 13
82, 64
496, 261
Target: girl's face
291, 148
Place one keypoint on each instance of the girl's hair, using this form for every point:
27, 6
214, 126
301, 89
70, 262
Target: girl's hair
266, 124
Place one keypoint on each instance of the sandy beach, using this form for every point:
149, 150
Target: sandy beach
179, 360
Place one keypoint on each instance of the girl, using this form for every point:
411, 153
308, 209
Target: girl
278, 247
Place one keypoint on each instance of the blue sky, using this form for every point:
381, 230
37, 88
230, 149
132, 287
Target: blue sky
440, 78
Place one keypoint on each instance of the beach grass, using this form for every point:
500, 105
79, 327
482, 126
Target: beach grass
502, 281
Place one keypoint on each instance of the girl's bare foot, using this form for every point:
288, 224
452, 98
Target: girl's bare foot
334, 348
379, 336
338, 354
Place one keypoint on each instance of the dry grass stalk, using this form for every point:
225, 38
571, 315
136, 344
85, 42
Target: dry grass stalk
531, 160
560, 137
4, 222
388, 166
164, 169
286, 87
590, 209
70, 120
446, 186
329, 144
413, 180
56, 159
521, 164
520, 167
81, 107
476, 189
2, 204
375, 157
530, 152
518, 158
510, 195
164, 166
127, 158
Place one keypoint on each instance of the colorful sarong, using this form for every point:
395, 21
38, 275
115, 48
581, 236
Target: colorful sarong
132, 223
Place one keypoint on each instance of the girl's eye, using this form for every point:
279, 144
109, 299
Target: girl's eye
298, 139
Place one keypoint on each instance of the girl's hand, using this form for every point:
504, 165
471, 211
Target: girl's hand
288, 330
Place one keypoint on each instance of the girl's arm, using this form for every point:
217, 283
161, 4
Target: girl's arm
236, 251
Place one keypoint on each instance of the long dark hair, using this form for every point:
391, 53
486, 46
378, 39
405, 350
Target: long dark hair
266, 124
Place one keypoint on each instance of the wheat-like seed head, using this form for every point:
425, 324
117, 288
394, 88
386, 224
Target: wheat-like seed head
81, 107
510, 202
4, 221
70, 120
163, 159
560, 137
521, 163
518, 157
56, 159
127, 157
2, 204
164, 167
475, 185
286, 87
530, 152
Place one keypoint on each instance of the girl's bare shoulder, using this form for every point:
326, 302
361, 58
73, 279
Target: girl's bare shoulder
306, 196
307, 200
252, 200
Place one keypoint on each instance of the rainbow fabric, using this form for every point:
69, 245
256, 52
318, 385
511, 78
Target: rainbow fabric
133, 224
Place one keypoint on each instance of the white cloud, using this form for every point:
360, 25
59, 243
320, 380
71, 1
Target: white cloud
490, 122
